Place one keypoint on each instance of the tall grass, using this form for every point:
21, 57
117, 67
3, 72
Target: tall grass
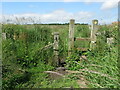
23, 57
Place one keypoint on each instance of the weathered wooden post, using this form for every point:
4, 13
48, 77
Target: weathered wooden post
4, 36
71, 36
56, 48
94, 29
15, 36
110, 41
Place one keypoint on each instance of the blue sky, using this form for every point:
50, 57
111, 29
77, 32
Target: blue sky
51, 12
46, 7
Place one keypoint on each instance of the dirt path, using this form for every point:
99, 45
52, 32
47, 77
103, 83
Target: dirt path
82, 82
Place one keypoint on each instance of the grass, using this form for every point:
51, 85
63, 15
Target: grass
24, 63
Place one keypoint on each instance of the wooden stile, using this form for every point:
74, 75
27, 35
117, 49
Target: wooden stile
92, 39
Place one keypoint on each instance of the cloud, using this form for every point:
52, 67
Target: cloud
109, 5
57, 16
90, 0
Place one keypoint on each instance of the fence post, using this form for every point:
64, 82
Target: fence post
4, 36
15, 36
110, 41
55, 48
94, 29
71, 36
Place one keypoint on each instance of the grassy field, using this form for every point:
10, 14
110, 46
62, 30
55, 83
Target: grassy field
24, 62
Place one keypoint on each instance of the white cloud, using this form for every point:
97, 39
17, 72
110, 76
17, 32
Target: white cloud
89, 0
109, 5
58, 16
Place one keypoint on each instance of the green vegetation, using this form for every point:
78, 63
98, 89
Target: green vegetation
24, 63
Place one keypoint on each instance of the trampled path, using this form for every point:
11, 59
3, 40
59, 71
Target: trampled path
81, 81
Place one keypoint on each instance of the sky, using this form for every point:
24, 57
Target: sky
59, 12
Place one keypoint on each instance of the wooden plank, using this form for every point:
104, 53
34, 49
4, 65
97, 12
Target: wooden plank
86, 39
117, 45
82, 49
71, 36
47, 46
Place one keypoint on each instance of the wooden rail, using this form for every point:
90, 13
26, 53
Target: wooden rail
47, 46
82, 49
86, 39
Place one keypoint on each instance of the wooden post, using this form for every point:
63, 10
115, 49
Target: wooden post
94, 29
55, 48
71, 36
110, 41
4, 36
15, 36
